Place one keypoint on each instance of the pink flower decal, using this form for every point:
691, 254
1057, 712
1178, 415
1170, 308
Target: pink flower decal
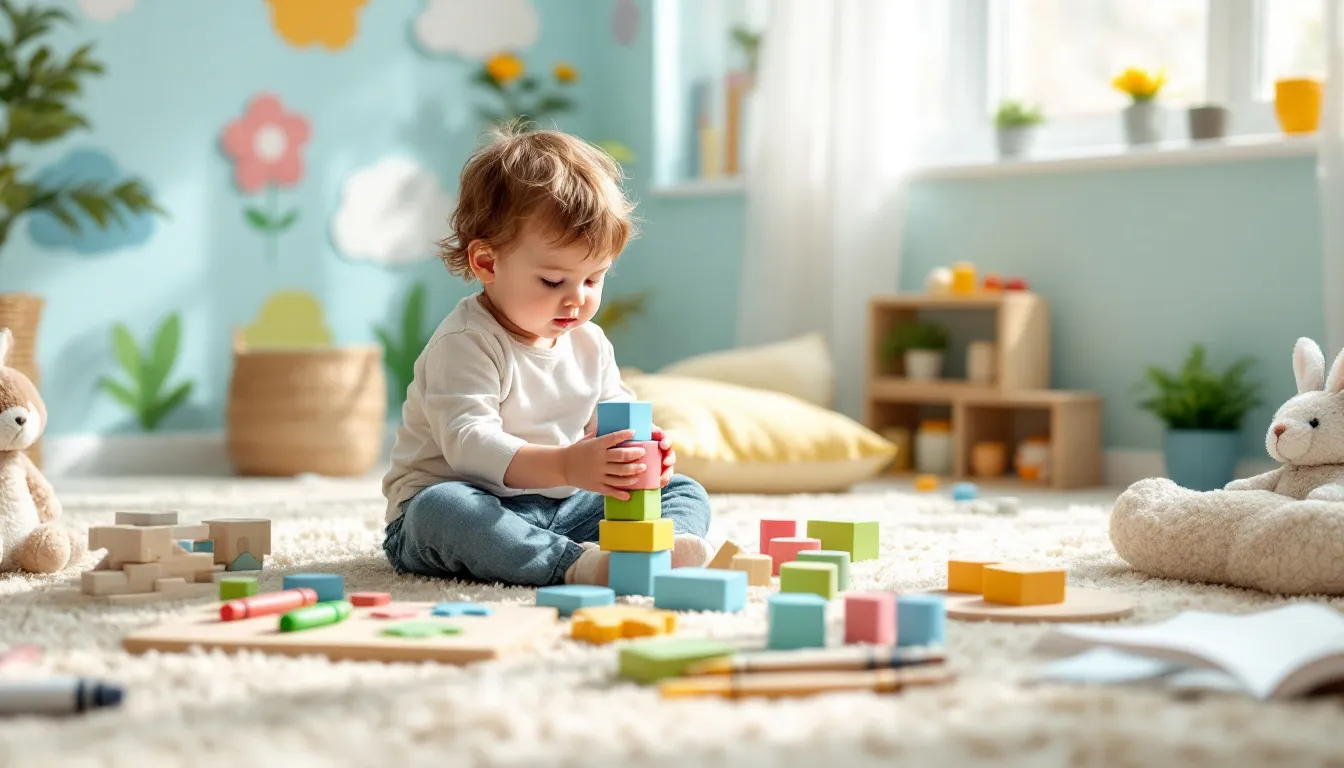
265, 143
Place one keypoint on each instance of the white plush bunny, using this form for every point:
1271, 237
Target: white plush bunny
1307, 434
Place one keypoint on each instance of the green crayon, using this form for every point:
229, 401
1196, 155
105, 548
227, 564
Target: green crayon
318, 615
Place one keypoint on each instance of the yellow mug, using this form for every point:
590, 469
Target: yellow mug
1297, 103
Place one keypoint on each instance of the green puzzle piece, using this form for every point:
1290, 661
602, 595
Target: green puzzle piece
421, 629
652, 660
859, 539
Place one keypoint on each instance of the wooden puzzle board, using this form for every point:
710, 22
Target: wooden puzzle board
508, 629
1080, 604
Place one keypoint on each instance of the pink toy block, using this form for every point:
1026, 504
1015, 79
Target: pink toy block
785, 550
776, 529
653, 465
870, 617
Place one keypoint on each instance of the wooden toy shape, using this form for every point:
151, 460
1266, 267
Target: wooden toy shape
570, 597
920, 620
329, 587
816, 578
775, 529
967, 575
644, 536
365, 599
870, 617
234, 537
837, 557
1081, 604
858, 538
204, 545
723, 559
632, 573
609, 623
233, 587
652, 477
757, 567
642, 505
416, 630
1023, 584
796, 620
461, 609
145, 563
133, 544
700, 589
615, 417
146, 518
786, 550
648, 661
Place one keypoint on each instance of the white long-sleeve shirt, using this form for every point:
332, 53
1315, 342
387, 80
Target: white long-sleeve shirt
479, 394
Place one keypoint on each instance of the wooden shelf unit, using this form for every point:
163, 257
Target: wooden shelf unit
1016, 405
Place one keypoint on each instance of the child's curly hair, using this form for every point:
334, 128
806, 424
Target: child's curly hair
569, 187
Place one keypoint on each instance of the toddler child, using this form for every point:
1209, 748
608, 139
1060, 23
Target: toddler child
497, 473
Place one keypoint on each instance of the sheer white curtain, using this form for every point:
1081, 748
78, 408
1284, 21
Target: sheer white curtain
836, 121
1331, 168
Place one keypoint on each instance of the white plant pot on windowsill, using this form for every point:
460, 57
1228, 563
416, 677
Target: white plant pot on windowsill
923, 364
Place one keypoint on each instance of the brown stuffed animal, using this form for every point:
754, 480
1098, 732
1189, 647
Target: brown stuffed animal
31, 538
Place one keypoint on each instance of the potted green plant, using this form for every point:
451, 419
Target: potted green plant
1202, 410
921, 347
1015, 126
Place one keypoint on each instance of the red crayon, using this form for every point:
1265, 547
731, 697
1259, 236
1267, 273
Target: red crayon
269, 603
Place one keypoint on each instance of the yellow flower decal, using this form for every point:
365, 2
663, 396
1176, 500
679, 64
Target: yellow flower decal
566, 73
1141, 85
329, 23
504, 68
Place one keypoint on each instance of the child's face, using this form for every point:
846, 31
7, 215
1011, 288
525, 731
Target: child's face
543, 289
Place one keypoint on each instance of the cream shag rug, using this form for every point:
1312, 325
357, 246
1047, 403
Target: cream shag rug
563, 705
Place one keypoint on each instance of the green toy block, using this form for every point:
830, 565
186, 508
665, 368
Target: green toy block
838, 557
817, 578
642, 505
859, 539
234, 587
649, 661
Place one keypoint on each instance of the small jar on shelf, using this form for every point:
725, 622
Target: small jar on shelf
933, 447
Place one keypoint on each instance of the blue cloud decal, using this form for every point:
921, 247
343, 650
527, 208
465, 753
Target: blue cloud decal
84, 165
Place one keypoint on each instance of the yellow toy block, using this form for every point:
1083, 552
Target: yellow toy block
926, 482
1019, 584
723, 559
631, 536
609, 623
967, 575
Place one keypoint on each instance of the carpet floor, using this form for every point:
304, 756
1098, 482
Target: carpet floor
562, 704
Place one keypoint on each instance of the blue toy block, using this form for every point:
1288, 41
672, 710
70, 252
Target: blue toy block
571, 597
632, 573
616, 416
797, 620
700, 589
965, 491
328, 586
185, 544
461, 609
920, 620
204, 545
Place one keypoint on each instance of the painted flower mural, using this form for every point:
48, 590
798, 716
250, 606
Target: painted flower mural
331, 24
265, 145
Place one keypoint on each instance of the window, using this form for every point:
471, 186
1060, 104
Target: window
1291, 41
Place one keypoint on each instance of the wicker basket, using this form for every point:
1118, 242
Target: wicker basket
21, 313
312, 410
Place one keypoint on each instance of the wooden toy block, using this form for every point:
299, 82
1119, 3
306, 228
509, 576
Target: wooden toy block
1023, 584
330, 587
245, 562
104, 582
967, 575
757, 567
870, 617
132, 544
146, 518
609, 623
238, 535
632, 573
172, 589
838, 558
642, 505
615, 417
461, 609
700, 589
204, 545
723, 559
858, 538
363, 599
786, 550
191, 532
775, 529
627, 536
796, 620
140, 577
570, 597
920, 620
237, 586
652, 477
188, 564
648, 661
816, 578
186, 544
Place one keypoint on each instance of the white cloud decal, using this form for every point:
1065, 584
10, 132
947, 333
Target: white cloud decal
477, 28
105, 10
392, 212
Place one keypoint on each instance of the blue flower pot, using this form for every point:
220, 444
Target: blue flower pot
1201, 459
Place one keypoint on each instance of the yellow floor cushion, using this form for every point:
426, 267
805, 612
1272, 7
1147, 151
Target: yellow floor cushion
736, 439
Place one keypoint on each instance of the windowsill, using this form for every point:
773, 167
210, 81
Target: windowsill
1231, 149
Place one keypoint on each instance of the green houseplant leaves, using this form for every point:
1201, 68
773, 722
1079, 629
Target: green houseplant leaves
147, 373
1197, 397
400, 353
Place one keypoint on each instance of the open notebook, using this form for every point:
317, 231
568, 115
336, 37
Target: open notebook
1281, 653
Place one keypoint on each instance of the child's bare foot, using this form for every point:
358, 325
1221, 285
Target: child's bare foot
592, 567
690, 551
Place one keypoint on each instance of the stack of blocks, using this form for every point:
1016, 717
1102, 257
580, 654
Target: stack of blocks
634, 530
1007, 583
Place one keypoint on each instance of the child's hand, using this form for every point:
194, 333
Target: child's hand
669, 456
596, 464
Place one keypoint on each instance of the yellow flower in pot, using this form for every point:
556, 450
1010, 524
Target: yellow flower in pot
1143, 117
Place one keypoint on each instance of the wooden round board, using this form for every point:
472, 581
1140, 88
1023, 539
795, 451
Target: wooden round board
1080, 604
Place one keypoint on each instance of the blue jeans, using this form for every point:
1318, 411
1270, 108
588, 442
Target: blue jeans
455, 530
